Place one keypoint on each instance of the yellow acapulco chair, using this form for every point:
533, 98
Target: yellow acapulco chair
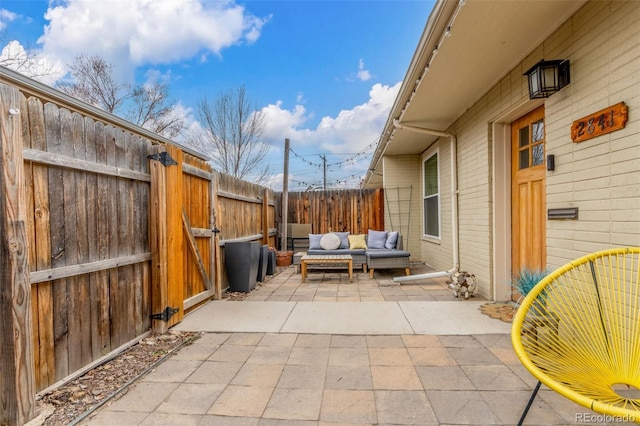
578, 332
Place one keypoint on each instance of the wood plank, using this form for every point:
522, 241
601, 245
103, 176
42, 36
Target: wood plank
91, 213
83, 312
101, 301
119, 302
217, 253
175, 238
202, 233
52, 159
195, 251
87, 268
111, 208
146, 296
70, 195
253, 237
212, 239
192, 170
143, 228
17, 384
42, 246
28, 168
189, 287
140, 235
57, 222
265, 217
131, 286
158, 239
198, 298
237, 197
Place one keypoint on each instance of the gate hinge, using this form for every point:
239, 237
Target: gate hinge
166, 314
164, 158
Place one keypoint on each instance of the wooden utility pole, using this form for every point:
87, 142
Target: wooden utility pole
285, 195
324, 172
17, 378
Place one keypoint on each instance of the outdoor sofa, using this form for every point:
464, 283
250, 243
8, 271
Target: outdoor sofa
374, 250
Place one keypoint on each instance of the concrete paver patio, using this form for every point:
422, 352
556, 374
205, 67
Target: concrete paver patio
266, 361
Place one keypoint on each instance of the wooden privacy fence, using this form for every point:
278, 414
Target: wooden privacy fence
247, 211
108, 231
352, 210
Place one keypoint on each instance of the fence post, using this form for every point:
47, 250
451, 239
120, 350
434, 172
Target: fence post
216, 240
166, 241
265, 217
17, 378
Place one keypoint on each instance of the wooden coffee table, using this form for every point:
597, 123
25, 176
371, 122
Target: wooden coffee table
311, 259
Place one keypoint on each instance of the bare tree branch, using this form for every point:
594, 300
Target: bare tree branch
151, 110
93, 83
232, 135
25, 61
147, 106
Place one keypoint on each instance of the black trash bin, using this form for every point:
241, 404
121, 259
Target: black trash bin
262, 264
241, 261
271, 263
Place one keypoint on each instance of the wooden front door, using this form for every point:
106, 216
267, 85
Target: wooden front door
528, 194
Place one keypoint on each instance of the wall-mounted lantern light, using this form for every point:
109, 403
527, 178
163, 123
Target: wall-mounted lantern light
547, 77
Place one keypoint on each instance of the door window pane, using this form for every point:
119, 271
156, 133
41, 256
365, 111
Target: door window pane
524, 136
538, 131
531, 145
524, 159
537, 156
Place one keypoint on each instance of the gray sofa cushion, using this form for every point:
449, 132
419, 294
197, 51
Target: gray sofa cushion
344, 240
314, 241
376, 239
337, 251
386, 253
392, 240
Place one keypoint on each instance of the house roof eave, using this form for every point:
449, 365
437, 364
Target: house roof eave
466, 48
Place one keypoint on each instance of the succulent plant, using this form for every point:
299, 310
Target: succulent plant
526, 278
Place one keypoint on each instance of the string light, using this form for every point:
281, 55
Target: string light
307, 174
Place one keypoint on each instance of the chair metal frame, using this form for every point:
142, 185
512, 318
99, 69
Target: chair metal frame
578, 332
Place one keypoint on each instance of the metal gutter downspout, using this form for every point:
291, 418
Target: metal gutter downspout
454, 202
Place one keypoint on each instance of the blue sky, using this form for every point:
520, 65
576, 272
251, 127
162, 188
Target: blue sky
324, 73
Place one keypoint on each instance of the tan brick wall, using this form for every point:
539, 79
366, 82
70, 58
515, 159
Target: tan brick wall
600, 176
402, 191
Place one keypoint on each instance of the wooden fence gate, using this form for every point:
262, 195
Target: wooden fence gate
183, 236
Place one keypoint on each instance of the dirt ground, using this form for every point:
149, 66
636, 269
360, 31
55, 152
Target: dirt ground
71, 402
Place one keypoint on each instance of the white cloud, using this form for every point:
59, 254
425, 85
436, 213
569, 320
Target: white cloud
352, 130
138, 32
31, 63
280, 123
6, 16
363, 74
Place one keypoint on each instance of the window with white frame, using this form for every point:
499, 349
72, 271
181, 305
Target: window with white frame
431, 196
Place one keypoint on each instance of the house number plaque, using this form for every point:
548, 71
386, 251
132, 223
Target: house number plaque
604, 121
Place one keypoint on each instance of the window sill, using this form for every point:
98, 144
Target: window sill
433, 240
